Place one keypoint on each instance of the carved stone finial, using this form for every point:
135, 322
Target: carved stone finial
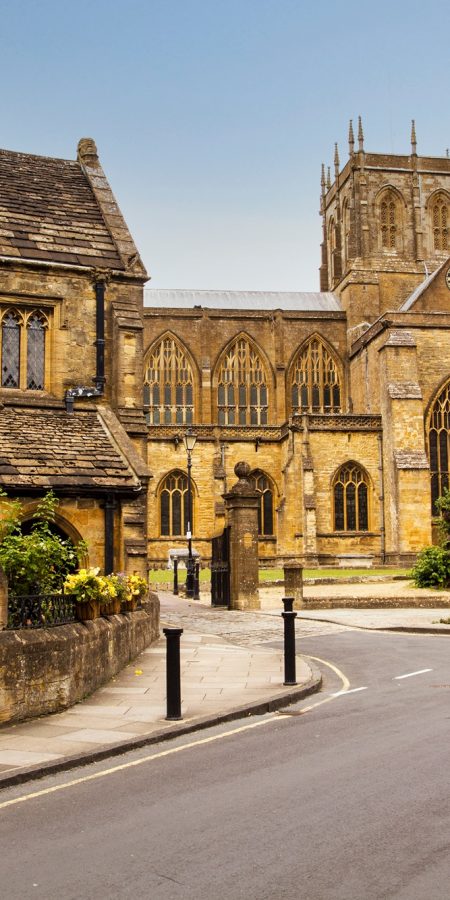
360, 134
328, 178
413, 137
242, 470
322, 180
336, 161
351, 139
87, 151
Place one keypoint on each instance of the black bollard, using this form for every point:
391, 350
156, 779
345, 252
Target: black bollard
175, 577
173, 686
197, 581
289, 647
288, 603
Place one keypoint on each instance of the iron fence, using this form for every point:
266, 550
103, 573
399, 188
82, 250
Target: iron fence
40, 610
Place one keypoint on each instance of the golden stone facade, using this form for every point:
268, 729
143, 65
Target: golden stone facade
337, 400
71, 294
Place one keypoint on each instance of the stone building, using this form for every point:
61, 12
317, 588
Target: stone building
339, 400
71, 415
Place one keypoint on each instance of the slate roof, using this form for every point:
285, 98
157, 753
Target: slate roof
49, 448
48, 211
294, 301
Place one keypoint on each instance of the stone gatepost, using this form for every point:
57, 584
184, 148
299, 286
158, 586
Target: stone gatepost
3, 600
293, 582
241, 507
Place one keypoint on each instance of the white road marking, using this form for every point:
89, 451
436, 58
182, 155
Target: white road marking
410, 674
351, 691
272, 719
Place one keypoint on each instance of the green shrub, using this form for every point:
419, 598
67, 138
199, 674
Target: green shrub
39, 561
432, 568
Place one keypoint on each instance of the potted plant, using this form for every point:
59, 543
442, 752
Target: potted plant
112, 594
137, 589
86, 589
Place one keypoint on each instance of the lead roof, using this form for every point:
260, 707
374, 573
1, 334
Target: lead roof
295, 301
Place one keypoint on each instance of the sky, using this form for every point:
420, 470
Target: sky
212, 117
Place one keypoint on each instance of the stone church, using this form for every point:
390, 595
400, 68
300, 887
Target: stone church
339, 400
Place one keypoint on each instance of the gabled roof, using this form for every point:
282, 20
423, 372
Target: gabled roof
79, 452
62, 211
295, 301
422, 287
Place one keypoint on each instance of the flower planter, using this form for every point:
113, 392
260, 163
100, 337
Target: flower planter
131, 605
87, 610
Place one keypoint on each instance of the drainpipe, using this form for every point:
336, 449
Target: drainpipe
110, 506
382, 524
83, 391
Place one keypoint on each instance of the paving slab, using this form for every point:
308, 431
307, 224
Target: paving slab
220, 681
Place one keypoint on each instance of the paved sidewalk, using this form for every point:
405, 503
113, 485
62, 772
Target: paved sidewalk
219, 680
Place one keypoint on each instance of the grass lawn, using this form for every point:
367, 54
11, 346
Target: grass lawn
166, 575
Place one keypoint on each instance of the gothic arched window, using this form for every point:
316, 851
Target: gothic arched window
11, 328
262, 483
351, 499
332, 247
35, 352
173, 498
242, 393
389, 221
440, 223
168, 385
23, 349
439, 445
315, 382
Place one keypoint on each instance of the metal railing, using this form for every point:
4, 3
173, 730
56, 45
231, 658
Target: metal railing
39, 610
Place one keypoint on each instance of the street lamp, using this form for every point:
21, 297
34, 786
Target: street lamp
189, 441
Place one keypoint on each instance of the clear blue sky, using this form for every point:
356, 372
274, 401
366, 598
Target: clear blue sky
212, 117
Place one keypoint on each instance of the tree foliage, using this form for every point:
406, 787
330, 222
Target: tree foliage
38, 561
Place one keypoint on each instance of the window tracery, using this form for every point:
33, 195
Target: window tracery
173, 497
389, 221
315, 382
440, 223
242, 392
351, 499
168, 385
439, 445
23, 349
263, 485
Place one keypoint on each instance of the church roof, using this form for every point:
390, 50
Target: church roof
63, 211
50, 448
422, 287
295, 301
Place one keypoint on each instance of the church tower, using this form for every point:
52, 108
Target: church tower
386, 225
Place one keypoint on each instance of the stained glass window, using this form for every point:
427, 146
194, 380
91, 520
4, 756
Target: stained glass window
350, 496
315, 383
168, 385
174, 505
242, 393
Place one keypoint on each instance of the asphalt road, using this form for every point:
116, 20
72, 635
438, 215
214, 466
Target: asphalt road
346, 797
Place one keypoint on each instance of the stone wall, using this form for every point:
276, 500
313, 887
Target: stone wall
46, 670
